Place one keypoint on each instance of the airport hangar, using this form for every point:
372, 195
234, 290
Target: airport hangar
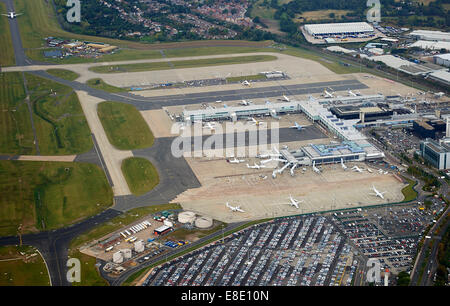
354, 145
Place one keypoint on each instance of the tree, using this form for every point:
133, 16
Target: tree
403, 279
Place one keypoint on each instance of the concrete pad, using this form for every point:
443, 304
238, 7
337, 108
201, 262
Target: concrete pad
159, 122
262, 197
113, 157
65, 158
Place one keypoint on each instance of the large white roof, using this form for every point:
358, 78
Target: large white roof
337, 28
431, 35
432, 45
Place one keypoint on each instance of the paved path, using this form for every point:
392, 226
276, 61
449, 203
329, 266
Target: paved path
112, 157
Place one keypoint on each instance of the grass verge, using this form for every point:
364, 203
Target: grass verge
140, 174
16, 133
98, 83
49, 195
124, 125
182, 64
408, 192
64, 74
59, 120
22, 266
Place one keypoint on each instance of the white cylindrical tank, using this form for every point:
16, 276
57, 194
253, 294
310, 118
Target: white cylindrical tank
203, 222
186, 217
126, 253
139, 246
118, 257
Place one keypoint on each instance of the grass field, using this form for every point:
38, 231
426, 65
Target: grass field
49, 195
408, 192
16, 134
64, 74
320, 15
89, 273
124, 125
140, 174
22, 270
183, 64
59, 120
100, 84
6, 48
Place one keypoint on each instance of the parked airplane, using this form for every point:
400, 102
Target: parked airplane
286, 99
209, 125
343, 165
233, 209
246, 83
316, 170
12, 15
327, 94
357, 169
297, 126
257, 122
256, 166
351, 93
273, 159
294, 202
236, 161
245, 103
377, 193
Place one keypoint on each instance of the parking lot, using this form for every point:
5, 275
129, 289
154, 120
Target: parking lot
388, 233
289, 251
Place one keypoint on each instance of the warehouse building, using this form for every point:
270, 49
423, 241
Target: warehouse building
431, 35
339, 29
440, 76
438, 154
442, 59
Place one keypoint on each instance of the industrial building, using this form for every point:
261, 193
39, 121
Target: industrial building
442, 59
431, 45
368, 114
338, 29
429, 128
438, 154
431, 35
440, 76
162, 230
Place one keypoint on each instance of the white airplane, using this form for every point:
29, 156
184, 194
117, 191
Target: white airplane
357, 169
351, 93
209, 125
257, 122
294, 202
233, 209
256, 166
236, 161
327, 94
297, 126
286, 99
343, 165
370, 170
246, 83
273, 159
12, 15
245, 102
377, 193
316, 170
